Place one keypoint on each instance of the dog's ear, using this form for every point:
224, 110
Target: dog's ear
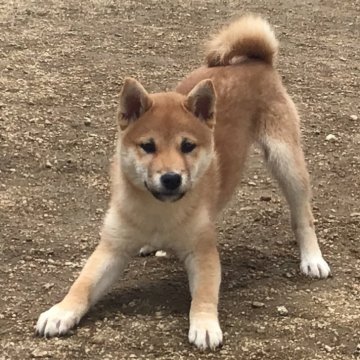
201, 102
134, 101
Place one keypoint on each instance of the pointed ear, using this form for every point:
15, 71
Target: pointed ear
201, 102
134, 101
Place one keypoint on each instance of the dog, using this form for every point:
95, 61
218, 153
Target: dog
179, 157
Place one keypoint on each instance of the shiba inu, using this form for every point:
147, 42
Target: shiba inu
178, 159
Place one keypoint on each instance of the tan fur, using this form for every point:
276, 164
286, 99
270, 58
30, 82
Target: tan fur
222, 110
250, 36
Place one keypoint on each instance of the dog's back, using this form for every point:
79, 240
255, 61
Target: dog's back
240, 62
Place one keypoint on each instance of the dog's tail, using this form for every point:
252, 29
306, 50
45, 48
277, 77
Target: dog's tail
248, 37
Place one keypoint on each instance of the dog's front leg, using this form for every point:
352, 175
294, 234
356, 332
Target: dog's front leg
203, 267
101, 270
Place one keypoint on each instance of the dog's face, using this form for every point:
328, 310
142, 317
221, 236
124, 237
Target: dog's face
166, 139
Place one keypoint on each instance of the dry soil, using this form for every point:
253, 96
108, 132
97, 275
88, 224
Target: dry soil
62, 64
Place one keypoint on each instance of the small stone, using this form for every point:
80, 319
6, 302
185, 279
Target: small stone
48, 164
331, 137
39, 353
328, 348
98, 339
48, 286
87, 121
282, 310
257, 304
354, 214
251, 183
160, 253
265, 198
260, 330
353, 117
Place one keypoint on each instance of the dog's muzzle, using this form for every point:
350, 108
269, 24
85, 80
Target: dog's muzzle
170, 189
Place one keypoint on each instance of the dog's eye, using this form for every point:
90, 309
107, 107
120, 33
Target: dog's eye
148, 147
187, 146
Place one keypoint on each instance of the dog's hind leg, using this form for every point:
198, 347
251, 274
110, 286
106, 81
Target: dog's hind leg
279, 138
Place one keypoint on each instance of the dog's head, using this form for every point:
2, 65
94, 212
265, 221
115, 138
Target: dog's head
166, 139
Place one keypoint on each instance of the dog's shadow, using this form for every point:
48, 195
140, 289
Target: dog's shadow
166, 290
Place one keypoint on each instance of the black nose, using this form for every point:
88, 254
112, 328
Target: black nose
170, 180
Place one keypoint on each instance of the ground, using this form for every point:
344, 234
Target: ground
62, 64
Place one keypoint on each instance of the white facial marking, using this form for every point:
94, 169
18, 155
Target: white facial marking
132, 167
205, 158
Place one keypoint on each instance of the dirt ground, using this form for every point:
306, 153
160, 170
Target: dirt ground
62, 64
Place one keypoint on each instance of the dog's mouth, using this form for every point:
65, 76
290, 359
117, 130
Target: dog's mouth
166, 196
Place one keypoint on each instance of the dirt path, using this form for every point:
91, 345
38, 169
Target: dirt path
61, 66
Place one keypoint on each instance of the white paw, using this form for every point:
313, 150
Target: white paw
315, 266
57, 321
205, 333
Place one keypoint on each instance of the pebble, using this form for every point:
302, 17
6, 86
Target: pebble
160, 253
331, 137
98, 339
261, 330
48, 164
87, 121
265, 198
353, 117
39, 353
328, 348
257, 304
282, 311
48, 286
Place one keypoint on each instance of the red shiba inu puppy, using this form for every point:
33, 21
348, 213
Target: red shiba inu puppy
178, 160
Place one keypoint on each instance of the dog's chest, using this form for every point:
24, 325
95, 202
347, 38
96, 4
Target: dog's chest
167, 229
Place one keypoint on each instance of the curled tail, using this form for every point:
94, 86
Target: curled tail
250, 37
